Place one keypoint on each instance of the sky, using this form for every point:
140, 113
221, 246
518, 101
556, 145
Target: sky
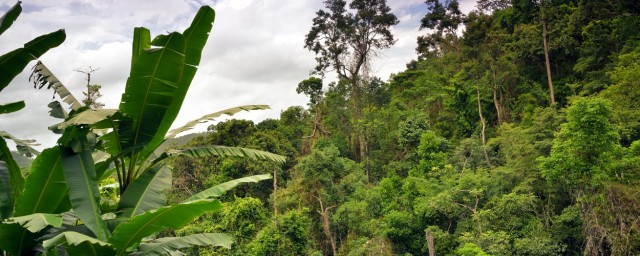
255, 53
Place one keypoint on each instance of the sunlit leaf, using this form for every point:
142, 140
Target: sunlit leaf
220, 189
223, 151
129, 234
163, 246
42, 76
210, 117
79, 244
37, 221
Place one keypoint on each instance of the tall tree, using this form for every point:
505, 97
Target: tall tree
445, 20
345, 42
312, 87
552, 98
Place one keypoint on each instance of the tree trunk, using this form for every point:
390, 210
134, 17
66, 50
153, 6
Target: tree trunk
361, 147
275, 198
429, 237
363, 154
497, 102
552, 98
482, 132
326, 225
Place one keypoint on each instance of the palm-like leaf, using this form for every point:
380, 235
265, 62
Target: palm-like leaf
12, 63
210, 117
220, 189
79, 244
196, 37
37, 221
150, 89
129, 234
163, 246
222, 151
42, 76
146, 193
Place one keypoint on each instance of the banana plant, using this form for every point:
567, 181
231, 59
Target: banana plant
59, 209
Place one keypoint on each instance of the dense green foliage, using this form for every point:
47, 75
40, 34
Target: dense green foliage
465, 147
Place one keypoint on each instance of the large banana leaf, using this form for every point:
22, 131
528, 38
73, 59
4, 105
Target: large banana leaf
224, 151
210, 117
16, 181
163, 246
11, 107
45, 188
37, 221
79, 244
196, 37
147, 192
79, 172
44, 191
6, 202
151, 88
220, 189
42, 76
129, 234
12, 63
9, 17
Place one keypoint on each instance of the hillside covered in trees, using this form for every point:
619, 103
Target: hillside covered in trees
515, 131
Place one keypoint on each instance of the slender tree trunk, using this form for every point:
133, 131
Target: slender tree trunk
552, 98
482, 132
429, 237
497, 102
363, 154
357, 116
326, 225
275, 197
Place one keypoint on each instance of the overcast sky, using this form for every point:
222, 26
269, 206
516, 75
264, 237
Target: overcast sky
255, 54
